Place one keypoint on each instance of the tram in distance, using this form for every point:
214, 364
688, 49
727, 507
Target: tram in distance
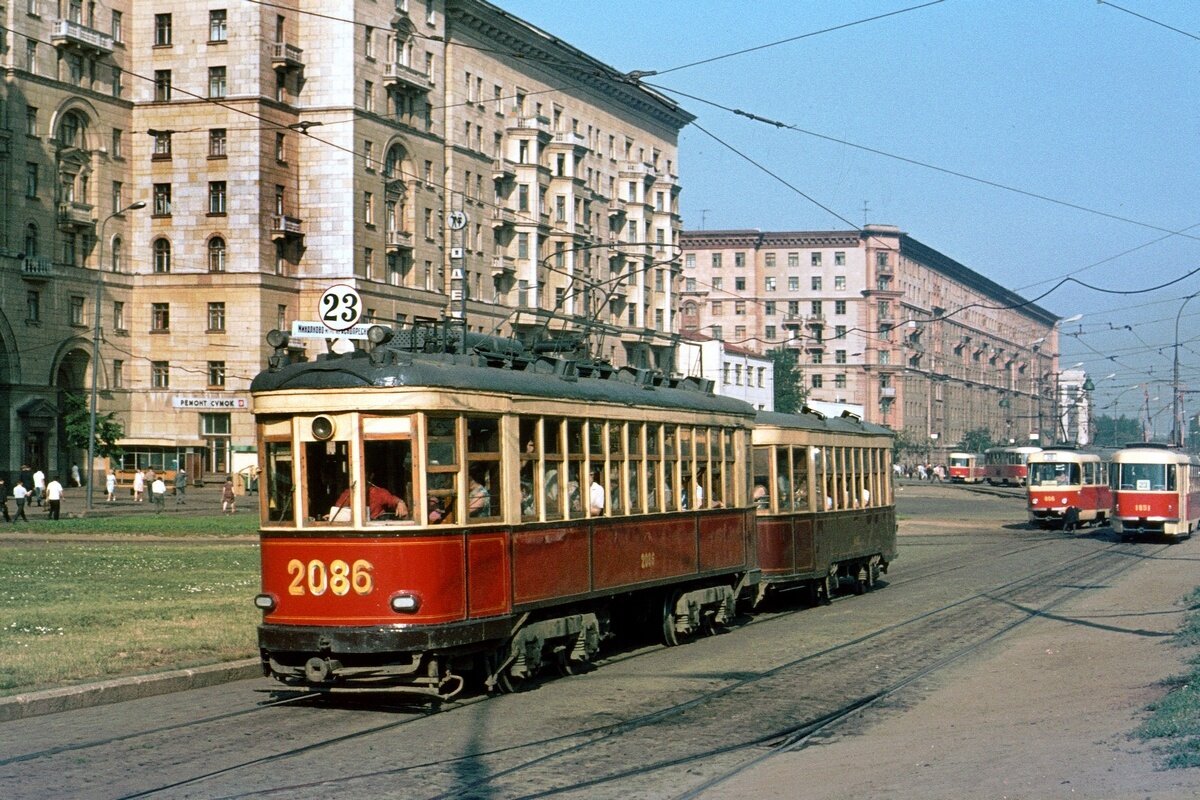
1007, 466
966, 467
451, 507
1156, 491
1068, 487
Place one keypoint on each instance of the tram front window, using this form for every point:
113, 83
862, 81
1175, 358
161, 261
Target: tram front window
387, 466
280, 482
1053, 474
1148, 477
327, 476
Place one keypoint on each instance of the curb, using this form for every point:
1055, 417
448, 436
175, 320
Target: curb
119, 690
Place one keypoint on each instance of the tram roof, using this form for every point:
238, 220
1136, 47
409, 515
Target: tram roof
466, 373
819, 422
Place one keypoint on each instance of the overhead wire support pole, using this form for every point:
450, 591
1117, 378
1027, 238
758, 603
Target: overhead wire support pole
1176, 393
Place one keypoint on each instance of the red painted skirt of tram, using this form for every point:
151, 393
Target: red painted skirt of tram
1094, 502
797, 547
474, 573
1172, 513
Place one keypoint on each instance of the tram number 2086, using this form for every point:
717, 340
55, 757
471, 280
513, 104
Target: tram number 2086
317, 578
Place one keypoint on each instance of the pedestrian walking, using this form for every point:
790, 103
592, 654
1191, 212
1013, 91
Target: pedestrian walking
54, 495
110, 486
75, 479
20, 493
228, 498
181, 487
39, 487
158, 494
4, 500
139, 486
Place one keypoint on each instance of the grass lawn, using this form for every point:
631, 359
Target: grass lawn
80, 611
1174, 723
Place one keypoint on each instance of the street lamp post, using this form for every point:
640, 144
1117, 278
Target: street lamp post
1177, 396
96, 311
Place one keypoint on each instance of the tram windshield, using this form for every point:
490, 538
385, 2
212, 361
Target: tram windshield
1053, 474
1145, 477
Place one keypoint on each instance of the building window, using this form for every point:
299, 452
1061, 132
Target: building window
739, 259
216, 317
118, 316
162, 85
769, 308
881, 259
31, 179
33, 306
793, 283
162, 145
216, 82
839, 282
76, 310
216, 198
162, 199
816, 259
739, 308
717, 332
118, 140
839, 258
739, 333
216, 143
368, 208
839, 306
216, 374
118, 374
769, 260
839, 356
716, 260
115, 254
31, 121
216, 254
769, 332
160, 316
429, 224
217, 25
839, 380
839, 331
116, 28
368, 96
816, 283
739, 284
281, 148
817, 382
31, 57
118, 196
793, 259
118, 85
160, 374
162, 30
162, 255
718, 283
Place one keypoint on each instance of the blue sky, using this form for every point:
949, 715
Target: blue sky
1088, 110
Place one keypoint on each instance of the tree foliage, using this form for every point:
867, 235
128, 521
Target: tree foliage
789, 381
976, 440
77, 420
1116, 431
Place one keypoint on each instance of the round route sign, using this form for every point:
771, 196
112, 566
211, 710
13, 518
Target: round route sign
341, 307
457, 220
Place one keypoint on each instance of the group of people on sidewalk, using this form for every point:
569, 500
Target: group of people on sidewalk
31, 487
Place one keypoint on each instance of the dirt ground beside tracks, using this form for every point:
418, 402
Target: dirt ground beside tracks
1047, 712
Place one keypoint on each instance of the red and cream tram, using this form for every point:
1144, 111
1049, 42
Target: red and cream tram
966, 468
823, 491
1068, 487
1156, 491
1007, 466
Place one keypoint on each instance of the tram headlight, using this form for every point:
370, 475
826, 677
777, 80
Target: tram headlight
323, 428
265, 602
405, 603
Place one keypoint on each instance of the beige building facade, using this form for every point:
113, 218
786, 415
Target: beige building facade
279, 152
876, 318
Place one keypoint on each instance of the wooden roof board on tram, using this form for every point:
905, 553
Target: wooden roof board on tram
773, 427
358, 371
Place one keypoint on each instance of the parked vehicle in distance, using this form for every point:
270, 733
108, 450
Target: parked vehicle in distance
1007, 466
1156, 491
966, 467
1068, 487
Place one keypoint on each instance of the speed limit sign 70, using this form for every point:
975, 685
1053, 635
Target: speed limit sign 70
341, 307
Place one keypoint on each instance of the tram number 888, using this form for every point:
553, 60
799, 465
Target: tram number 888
338, 577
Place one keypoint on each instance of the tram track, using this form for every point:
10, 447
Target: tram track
903, 642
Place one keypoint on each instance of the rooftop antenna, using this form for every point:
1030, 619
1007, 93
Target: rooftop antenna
703, 217
866, 211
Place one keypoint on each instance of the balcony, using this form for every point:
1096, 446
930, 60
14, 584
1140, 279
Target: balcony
399, 240
503, 266
34, 268
75, 216
815, 321
285, 227
80, 37
815, 344
539, 124
569, 139
286, 56
638, 169
887, 391
405, 79
503, 169
503, 217
616, 209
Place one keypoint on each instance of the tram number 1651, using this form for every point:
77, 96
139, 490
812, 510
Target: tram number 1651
316, 578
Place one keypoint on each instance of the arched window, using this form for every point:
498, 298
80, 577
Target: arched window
162, 255
393, 164
31, 241
216, 254
70, 131
116, 254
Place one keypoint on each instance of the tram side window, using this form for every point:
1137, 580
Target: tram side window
670, 464
483, 468
616, 452
702, 483
327, 478
529, 433
653, 469
686, 469
280, 482
600, 501
441, 469
1171, 485
387, 466
761, 477
554, 491
784, 483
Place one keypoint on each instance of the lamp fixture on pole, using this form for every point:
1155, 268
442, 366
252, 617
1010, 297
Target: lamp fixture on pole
96, 311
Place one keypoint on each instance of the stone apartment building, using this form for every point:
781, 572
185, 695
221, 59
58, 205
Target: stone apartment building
278, 152
876, 318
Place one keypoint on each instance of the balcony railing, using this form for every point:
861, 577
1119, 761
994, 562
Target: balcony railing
286, 227
286, 56
503, 169
502, 217
402, 76
76, 215
73, 34
36, 268
503, 265
399, 240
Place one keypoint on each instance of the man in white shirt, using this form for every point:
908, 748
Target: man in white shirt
596, 494
39, 486
19, 495
54, 493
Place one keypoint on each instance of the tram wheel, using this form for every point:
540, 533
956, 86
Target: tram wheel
501, 681
670, 636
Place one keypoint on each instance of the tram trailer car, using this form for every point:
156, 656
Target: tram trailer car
1156, 492
826, 509
966, 467
428, 516
1008, 466
1064, 478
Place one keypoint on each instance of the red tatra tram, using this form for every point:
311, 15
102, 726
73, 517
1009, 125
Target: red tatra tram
966, 468
450, 505
1007, 466
1156, 491
1068, 487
